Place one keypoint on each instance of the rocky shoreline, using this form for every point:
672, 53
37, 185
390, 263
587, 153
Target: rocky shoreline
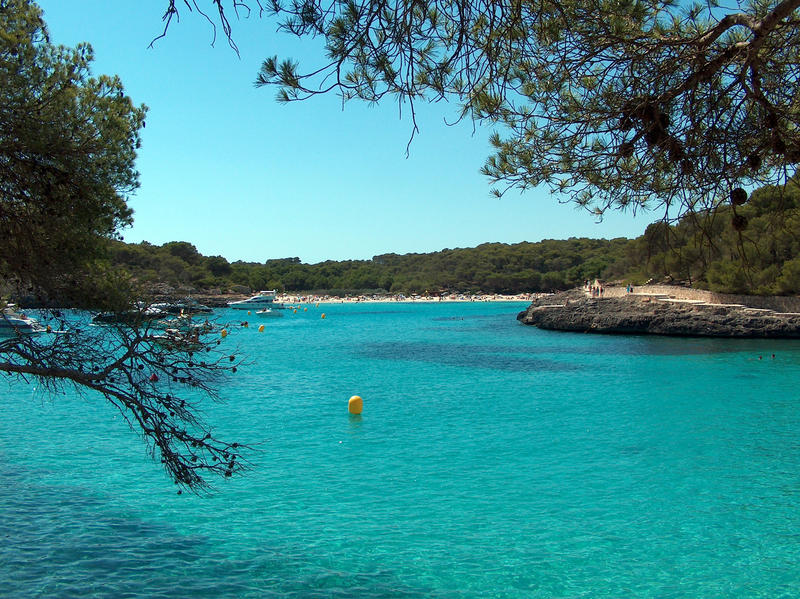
657, 314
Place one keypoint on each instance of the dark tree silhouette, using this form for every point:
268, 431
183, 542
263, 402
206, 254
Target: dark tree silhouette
67, 150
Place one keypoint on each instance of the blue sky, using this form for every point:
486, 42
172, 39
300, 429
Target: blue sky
227, 168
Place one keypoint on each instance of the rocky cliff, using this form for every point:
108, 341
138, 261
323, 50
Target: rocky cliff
656, 314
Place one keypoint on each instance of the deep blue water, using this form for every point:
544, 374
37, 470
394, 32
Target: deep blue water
491, 460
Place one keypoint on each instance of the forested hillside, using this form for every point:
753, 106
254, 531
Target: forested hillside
752, 247
492, 267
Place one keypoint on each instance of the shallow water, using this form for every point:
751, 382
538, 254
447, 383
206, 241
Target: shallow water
491, 460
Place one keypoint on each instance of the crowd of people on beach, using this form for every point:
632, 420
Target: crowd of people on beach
594, 289
400, 297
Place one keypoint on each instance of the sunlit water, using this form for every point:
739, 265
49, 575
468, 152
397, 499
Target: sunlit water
491, 460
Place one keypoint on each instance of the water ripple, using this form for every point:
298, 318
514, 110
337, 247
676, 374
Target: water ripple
471, 356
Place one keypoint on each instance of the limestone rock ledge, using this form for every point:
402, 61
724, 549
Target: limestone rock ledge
636, 313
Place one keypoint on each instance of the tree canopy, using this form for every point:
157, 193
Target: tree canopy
543, 266
67, 150
614, 104
704, 250
67, 165
700, 249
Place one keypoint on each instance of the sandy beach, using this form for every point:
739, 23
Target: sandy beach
401, 298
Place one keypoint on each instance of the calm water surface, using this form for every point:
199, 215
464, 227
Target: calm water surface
491, 460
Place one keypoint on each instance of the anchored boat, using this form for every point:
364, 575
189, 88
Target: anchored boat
264, 300
13, 323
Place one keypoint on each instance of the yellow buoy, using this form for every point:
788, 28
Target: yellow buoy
355, 405
223, 333
248, 312
323, 315
261, 328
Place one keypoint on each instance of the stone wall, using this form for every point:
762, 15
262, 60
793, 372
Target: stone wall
789, 303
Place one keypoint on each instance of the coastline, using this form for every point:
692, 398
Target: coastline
678, 312
414, 299
221, 300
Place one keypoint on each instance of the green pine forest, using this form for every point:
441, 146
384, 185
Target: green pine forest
747, 248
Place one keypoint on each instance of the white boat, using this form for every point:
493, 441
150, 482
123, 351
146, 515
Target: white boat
185, 323
138, 315
175, 339
187, 306
265, 300
13, 322
269, 312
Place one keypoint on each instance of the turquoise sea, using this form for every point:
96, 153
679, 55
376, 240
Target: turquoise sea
491, 460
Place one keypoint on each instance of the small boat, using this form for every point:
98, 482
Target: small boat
269, 312
137, 316
184, 323
264, 300
13, 323
181, 340
187, 306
